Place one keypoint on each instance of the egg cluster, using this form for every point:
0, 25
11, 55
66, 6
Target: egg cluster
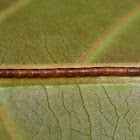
69, 72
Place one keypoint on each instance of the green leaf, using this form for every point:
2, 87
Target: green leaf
92, 111
5, 4
58, 33
122, 46
36, 32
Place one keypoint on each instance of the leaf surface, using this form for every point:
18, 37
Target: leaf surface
6, 3
35, 33
58, 33
122, 46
